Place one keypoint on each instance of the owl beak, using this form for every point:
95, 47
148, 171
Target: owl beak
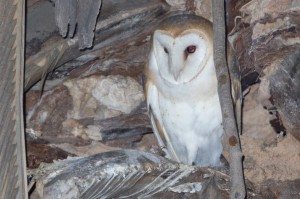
175, 66
175, 71
176, 76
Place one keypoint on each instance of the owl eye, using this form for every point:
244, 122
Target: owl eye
166, 50
190, 49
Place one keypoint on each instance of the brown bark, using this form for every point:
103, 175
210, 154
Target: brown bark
13, 182
231, 138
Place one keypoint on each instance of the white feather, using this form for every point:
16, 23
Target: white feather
188, 107
156, 114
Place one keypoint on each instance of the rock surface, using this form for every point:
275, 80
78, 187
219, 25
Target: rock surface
94, 103
199, 7
71, 105
267, 42
127, 173
268, 155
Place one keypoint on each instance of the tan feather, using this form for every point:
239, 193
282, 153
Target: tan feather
164, 136
157, 127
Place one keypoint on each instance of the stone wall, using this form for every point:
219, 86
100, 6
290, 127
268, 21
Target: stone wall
94, 102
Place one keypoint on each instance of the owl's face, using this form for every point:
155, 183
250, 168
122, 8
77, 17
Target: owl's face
181, 58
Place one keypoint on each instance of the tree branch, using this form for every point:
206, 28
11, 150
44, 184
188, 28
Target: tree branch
231, 139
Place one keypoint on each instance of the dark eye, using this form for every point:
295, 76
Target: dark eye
190, 49
166, 50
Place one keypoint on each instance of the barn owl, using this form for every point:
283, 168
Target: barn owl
181, 91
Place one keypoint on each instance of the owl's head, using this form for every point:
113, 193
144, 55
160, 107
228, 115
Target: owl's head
182, 46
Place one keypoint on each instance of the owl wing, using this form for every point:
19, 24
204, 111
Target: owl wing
236, 88
156, 121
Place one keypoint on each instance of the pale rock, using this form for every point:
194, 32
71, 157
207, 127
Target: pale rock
177, 3
255, 118
119, 93
32, 133
104, 97
266, 156
257, 9
94, 132
187, 188
280, 162
100, 97
62, 189
94, 148
263, 93
203, 8
43, 117
84, 105
260, 30
200, 7
75, 127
